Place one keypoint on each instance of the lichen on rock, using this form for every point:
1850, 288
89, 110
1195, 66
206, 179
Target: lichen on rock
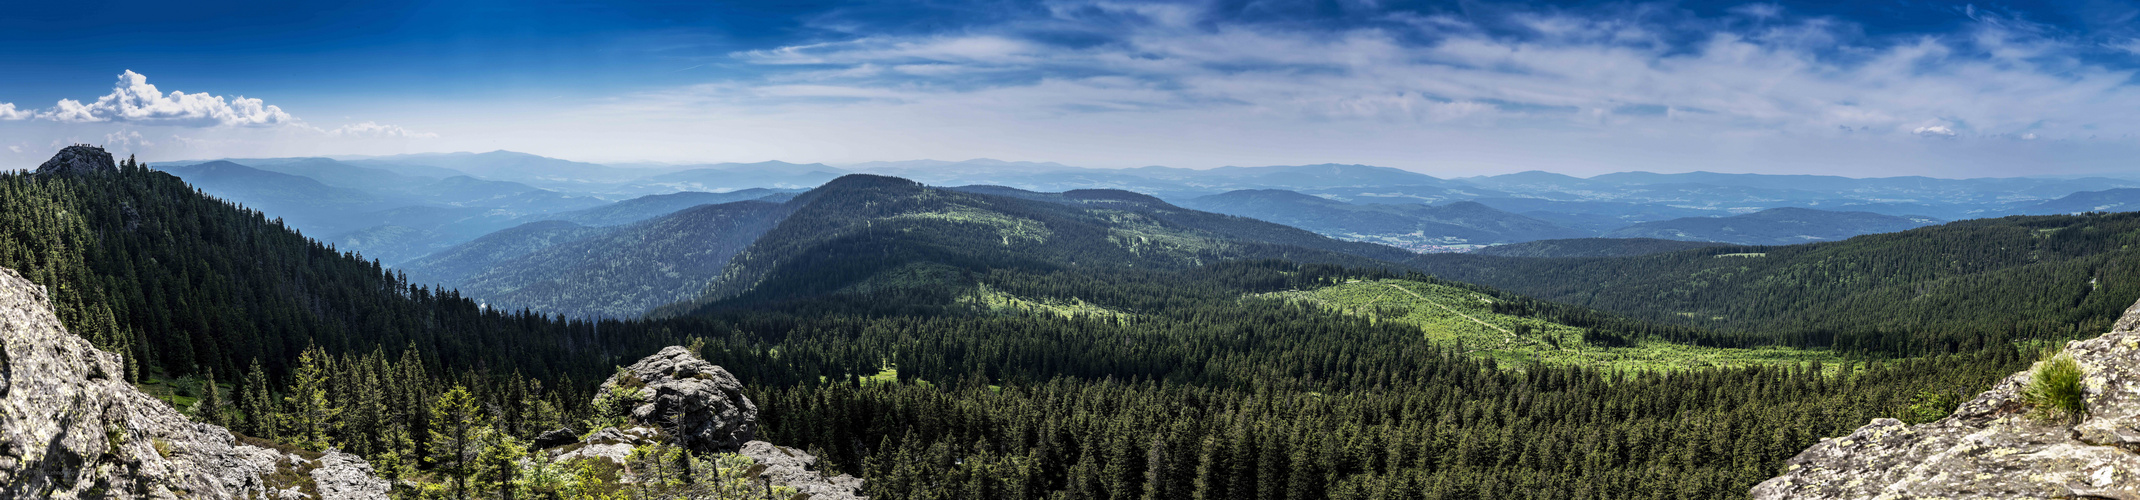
1992, 447
76, 429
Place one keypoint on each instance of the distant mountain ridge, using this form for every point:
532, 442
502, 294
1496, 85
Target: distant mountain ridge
1775, 226
1593, 247
1403, 225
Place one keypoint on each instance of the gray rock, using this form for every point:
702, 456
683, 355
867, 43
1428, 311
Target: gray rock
793, 468
1990, 447
707, 403
700, 404
342, 475
612, 443
556, 437
79, 159
75, 429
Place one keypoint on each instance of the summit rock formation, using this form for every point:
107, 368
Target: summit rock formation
702, 407
79, 159
1991, 447
76, 429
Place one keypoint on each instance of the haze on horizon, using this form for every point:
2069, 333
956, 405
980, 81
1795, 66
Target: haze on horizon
1884, 88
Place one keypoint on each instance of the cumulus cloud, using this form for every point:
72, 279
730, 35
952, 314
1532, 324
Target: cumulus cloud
376, 130
134, 99
9, 113
1939, 131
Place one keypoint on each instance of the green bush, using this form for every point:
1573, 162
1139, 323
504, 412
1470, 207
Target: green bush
2054, 389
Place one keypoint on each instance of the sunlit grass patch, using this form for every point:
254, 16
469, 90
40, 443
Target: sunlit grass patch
1466, 321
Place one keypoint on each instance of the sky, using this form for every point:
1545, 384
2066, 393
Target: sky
1447, 88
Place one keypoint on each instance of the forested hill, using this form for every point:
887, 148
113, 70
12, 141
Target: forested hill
865, 235
1952, 287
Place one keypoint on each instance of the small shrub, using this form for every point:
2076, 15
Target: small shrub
2055, 391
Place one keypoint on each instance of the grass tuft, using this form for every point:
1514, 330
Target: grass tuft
2055, 391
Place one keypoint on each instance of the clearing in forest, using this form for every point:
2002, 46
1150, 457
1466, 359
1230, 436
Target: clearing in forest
1465, 320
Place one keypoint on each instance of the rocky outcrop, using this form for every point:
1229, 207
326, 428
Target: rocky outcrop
79, 159
75, 428
793, 468
706, 404
556, 437
700, 403
1991, 447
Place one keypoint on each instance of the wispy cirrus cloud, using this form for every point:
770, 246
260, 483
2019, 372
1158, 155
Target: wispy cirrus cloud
1757, 69
374, 130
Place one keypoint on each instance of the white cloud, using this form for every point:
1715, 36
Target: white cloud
17, 149
375, 130
134, 99
9, 113
1813, 76
127, 139
1938, 131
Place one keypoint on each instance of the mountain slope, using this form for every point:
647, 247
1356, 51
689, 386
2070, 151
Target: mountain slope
651, 206
732, 176
459, 262
301, 200
1411, 225
864, 234
1775, 226
2109, 200
1956, 286
607, 272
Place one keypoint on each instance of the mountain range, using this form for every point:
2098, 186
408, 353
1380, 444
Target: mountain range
399, 208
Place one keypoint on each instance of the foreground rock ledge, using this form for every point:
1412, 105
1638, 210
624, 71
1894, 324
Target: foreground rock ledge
1989, 447
705, 406
74, 428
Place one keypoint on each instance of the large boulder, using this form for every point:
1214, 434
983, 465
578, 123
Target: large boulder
702, 407
79, 159
74, 428
698, 403
1991, 447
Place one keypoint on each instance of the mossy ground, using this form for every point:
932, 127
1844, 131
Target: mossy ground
1465, 320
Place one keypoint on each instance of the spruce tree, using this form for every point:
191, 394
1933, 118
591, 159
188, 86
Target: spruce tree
456, 431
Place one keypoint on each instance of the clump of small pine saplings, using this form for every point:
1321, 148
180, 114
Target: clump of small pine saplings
2054, 390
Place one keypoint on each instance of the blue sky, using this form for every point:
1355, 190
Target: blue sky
1950, 89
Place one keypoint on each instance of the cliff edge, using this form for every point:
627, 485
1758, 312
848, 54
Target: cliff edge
74, 428
1991, 447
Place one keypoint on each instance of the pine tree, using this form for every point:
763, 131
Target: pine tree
456, 431
257, 403
210, 408
498, 467
313, 417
